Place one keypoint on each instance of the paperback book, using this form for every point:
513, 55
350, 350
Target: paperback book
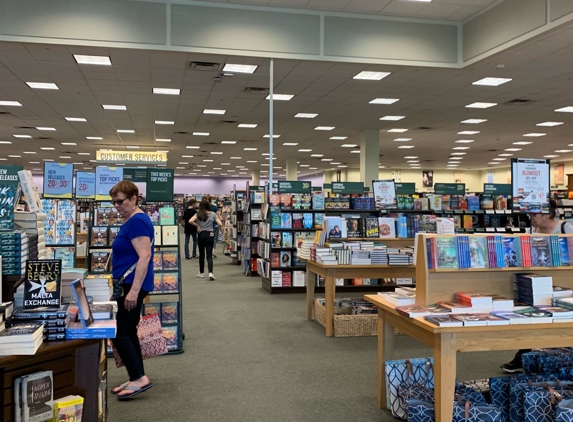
42, 286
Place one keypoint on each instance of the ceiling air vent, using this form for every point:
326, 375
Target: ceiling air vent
423, 128
205, 66
211, 143
25, 127
4, 112
257, 90
229, 122
44, 138
493, 150
183, 133
518, 101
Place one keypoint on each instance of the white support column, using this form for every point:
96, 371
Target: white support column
369, 154
256, 178
291, 168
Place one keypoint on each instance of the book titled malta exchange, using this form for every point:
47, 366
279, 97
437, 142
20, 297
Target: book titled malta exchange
43, 281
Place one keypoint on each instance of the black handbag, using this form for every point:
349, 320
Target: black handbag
118, 283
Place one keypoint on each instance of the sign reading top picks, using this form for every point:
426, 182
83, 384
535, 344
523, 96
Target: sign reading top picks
159, 185
131, 157
106, 178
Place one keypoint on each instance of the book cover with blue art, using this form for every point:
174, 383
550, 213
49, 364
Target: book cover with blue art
307, 220
286, 220
540, 251
447, 250
564, 251
510, 258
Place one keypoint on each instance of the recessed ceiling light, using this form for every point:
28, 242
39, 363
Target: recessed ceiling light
216, 152
208, 161
48, 159
274, 136
564, 151
464, 141
164, 122
45, 128
34, 162
568, 109
493, 163
402, 139
42, 85
29, 152
481, 105
22, 136
342, 166
316, 168
98, 60
162, 140
505, 155
397, 130
183, 162
229, 142
304, 150
213, 111
549, 124
324, 128
239, 68
94, 138
247, 125
132, 146
461, 148
69, 143
15, 156
65, 156
338, 138
10, 104
381, 167
179, 168
217, 168
236, 158
392, 118
290, 144
522, 143
250, 149
452, 165
333, 163
348, 145
201, 165
306, 115
513, 149
280, 97
317, 155
550, 156
534, 135
114, 107
371, 76
411, 157
75, 119
355, 151
413, 161
303, 165
468, 132
386, 101
83, 153
225, 164
187, 156
125, 131
458, 153
201, 133
406, 146
326, 159
192, 147
492, 81
456, 158
167, 91
252, 161
473, 121
47, 148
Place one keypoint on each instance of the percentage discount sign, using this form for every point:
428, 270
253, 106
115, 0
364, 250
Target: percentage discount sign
83, 187
51, 183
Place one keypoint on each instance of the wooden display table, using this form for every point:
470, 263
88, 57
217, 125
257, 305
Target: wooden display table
332, 272
79, 367
446, 342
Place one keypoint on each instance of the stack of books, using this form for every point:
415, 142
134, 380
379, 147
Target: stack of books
52, 320
99, 287
326, 259
304, 249
86, 327
558, 313
22, 339
68, 276
360, 257
14, 251
378, 256
399, 299
33, 224
343, 255
533, 289
403, 257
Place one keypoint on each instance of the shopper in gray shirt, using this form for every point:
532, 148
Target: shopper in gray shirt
204, 220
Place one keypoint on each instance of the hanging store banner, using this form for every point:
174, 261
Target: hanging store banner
8, 195
159, 186
131, 157
106, 178
58, 180
497, 189
405, 188
285, 186
348, 187
450, 188
135, 175
85, 185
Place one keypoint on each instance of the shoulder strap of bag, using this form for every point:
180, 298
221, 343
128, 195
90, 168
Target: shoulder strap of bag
563, 227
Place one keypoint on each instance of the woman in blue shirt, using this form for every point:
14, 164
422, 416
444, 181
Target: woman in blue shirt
132, 260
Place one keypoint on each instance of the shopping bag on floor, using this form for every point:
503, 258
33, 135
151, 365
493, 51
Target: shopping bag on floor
539, 406
564, 411
471, 412
517, 390
420, 411
406, 371
151, 339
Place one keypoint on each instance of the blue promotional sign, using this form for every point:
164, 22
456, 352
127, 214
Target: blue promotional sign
106, 178
85, 185
58, 180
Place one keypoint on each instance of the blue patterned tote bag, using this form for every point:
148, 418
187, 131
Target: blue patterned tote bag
470, 412
420, 411
529, 361
499, 393
517, 390
539, 406
564, 411
566, 374
418, 371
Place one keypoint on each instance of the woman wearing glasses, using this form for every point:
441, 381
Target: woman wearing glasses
132, 260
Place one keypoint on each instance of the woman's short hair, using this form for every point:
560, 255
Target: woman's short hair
129, 189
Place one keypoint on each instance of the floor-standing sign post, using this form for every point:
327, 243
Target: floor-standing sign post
271, 134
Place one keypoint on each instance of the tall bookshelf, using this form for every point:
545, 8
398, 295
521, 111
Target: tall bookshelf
254, 230
237, 203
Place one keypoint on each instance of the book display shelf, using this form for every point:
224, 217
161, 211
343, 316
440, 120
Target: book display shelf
60, 230
166, 299
254, 245
439, 284
226, 231
237, 203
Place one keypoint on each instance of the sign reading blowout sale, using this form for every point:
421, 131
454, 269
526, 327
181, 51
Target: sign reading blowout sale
159, 185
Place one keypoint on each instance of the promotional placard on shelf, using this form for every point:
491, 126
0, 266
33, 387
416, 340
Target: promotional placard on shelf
256, 187
106, 178
285, 186
58, 180
530, 185
327, 186
405, 188
135, 175
450, 188
348, 187
8, 190
85, 185
159, 185
384, 193
497, 189
129, 157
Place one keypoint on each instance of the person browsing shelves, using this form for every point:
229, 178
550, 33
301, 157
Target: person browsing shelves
545, 223
190, 230
204, 220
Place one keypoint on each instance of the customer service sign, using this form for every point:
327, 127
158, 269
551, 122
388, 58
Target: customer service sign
130, 157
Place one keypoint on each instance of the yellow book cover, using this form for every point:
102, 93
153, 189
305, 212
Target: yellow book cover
68, 409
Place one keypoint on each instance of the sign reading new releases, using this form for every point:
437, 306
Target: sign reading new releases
530, 185
8, 191
106, 178
58, 180
384, 193
129, 157
85, 185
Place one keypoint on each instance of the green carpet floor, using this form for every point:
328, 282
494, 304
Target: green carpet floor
250, 356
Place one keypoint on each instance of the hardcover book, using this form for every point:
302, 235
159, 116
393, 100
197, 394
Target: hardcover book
170, 282
564, 251
275, 259
285, 259
167, 216
37, 396
509, 252
157, 282
68, 409
276, 239
286, 200
318, 201
99, 260
157, 235
98, 236
540, 251
169, 313
84, 312
276, 278
307, 220
371, 227
354, 227
386, 227
275, 220
287, 279
158, 261
447, 250
42, 286
287, 240
171, 337
169, 235
151, 309
170, 260
66, 255
297, 220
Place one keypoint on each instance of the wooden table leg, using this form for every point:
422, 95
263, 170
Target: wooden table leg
444, 375
329, 291
310, 282
385, 352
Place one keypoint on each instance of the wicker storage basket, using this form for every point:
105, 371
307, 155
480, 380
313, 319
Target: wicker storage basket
348, 325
